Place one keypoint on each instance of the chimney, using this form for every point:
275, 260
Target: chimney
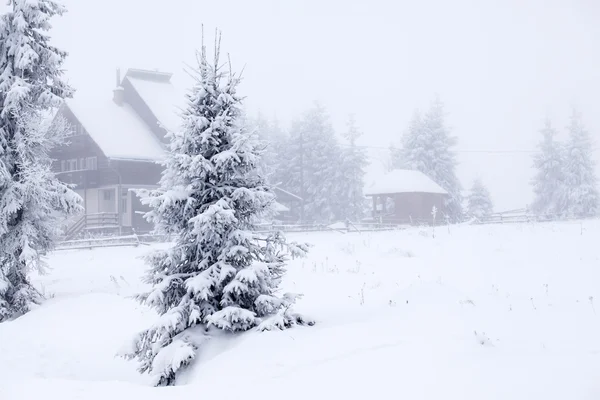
119, 91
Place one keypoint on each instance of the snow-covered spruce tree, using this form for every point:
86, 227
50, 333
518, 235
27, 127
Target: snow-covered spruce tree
548, 182
313, 166
443, 163
277, 155
427, 147
352, 179
480, 201
581, 183
273, 141
411, 154
33, 203
220, 272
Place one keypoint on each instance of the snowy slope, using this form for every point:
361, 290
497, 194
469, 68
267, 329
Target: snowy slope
479, 312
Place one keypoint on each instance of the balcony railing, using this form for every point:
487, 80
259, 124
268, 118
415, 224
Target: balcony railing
108, 222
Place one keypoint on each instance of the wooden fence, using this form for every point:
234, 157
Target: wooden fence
512, 217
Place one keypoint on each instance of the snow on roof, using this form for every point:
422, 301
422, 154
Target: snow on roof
163, 99
280, 208
149, 74
404, 181
286, 193
117, 130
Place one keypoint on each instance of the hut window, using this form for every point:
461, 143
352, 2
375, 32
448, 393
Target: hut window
390, 205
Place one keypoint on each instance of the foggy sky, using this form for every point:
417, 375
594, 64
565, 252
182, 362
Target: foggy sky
500, 67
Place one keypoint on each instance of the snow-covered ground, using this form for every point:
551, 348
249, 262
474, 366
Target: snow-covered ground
478, 312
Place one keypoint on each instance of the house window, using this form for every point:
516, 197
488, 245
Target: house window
91, 163
82, 163
390, 205
63, 165
107, 195
69, 165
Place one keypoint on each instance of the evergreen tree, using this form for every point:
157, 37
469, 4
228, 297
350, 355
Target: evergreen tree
352, 179
220, 273
548, 182
277, 153
312, 167
412, 153
443, 162
427, 147
33, 202
581, 184
479, 201
260, 126
274, 142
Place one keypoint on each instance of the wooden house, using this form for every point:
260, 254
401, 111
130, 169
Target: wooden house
115, 147
288, 206
406, 197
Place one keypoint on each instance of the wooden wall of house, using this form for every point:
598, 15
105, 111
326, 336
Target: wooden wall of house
138, 222
414, 207
136, 172
418, 206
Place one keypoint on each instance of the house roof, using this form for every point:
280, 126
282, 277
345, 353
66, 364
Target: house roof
280, 208
285, 195
117, 129
404, 181
164, 100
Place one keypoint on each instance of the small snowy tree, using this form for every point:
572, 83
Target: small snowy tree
220, 272
33, 203
548, 182
352, 179
479, 201
581, 183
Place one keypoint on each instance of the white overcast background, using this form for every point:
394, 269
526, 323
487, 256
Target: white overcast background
500, 66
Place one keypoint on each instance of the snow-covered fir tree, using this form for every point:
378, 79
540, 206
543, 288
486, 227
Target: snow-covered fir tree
277, 153
352, 179
33, 202
548, 182
581, 183
479, 201
274, 142
260, 125
411, 154
221, 272
313, 166
427, 147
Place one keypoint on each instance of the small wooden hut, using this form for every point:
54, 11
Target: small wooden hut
405, 196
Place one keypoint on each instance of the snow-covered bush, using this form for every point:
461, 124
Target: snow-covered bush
479, 201
220, 272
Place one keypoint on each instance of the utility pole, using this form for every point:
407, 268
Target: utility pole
302, 175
